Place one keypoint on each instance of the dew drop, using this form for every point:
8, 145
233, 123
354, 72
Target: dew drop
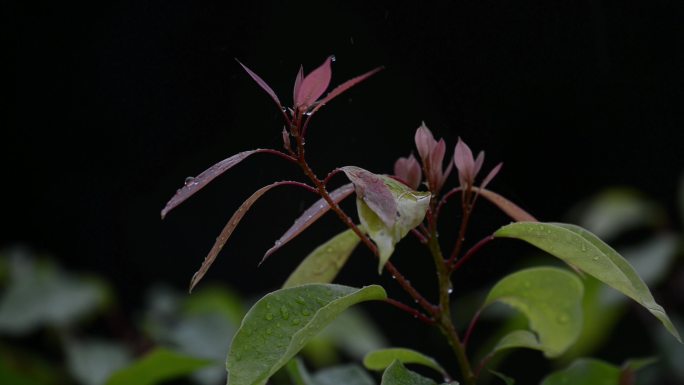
296, 321
190, 181
527, 284
269, 331
306, 312
394, 277
284, 312
563, 319
269, 316
300, 300
333, 58
596, 258
583, 247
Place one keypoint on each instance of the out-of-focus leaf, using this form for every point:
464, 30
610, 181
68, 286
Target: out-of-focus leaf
680, 195
617, 210
311, 215
366, 336
281, 323
193, 185
383, 358
551, 299
10, 376
411, 207
200, 325
298, 373
40, 294
344, 87
636, 364
92, 362
323, 264
156, 367
343, 374
585, 371
582, 249
261, 84
518, 339
509, 208
507, 380
228, 231
671, 352
374, 192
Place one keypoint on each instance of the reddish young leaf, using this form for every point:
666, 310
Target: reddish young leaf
313, 85
463, 159
344, 87
511, 209
228, 230
408, 170
479, 161
298, 83
424, 143
373, 191
491, 175
262, 84
308, 217
193, 185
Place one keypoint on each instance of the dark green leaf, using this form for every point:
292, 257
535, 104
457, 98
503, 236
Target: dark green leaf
585, 371
551, 299
383, 358
397, 374
583, 250
281, 323
503, 377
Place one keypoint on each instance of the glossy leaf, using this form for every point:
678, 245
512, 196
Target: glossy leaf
411, 208
583, 250
314, 85
374, 192
551, 299
262, 84
193, 185
344, 87
156, 367
298, 82
397, 374
381, 359
309, 217
518, 339
514, 211
228, 231
323, 264
281, 323
585, 371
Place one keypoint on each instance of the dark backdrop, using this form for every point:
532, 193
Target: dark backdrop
117, 104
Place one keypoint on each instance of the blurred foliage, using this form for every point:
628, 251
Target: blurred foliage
56, 326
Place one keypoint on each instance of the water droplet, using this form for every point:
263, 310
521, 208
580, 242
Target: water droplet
596, 258
269, 331
563, 319
308, 113
583, 247
296, 321
450, 290
306, 312
333, 58
190, 181
284, 312
394, 276
278, 242
527, 284
269, 316
300, 300
329, 250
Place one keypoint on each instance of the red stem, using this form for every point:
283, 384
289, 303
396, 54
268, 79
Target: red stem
471, 327
472, 251
420, 236
415, 313
444, 200
280, 154
330, 175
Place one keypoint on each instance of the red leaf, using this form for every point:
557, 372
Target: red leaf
463, 159
374, 192
228, 231
308, 217
314, 85
491, 175
193, 185
511, 209
298, 83
344, 87
408, 170
262, 84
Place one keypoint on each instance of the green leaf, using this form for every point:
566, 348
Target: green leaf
583, 250
551, 299
92, 362
503, 377
411, 208
323, 264
298, 373
157, 366
343, 375
281, 323
397, 374
585, 371
383, 358
40, 294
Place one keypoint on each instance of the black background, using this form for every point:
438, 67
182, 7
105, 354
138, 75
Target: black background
118, 103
